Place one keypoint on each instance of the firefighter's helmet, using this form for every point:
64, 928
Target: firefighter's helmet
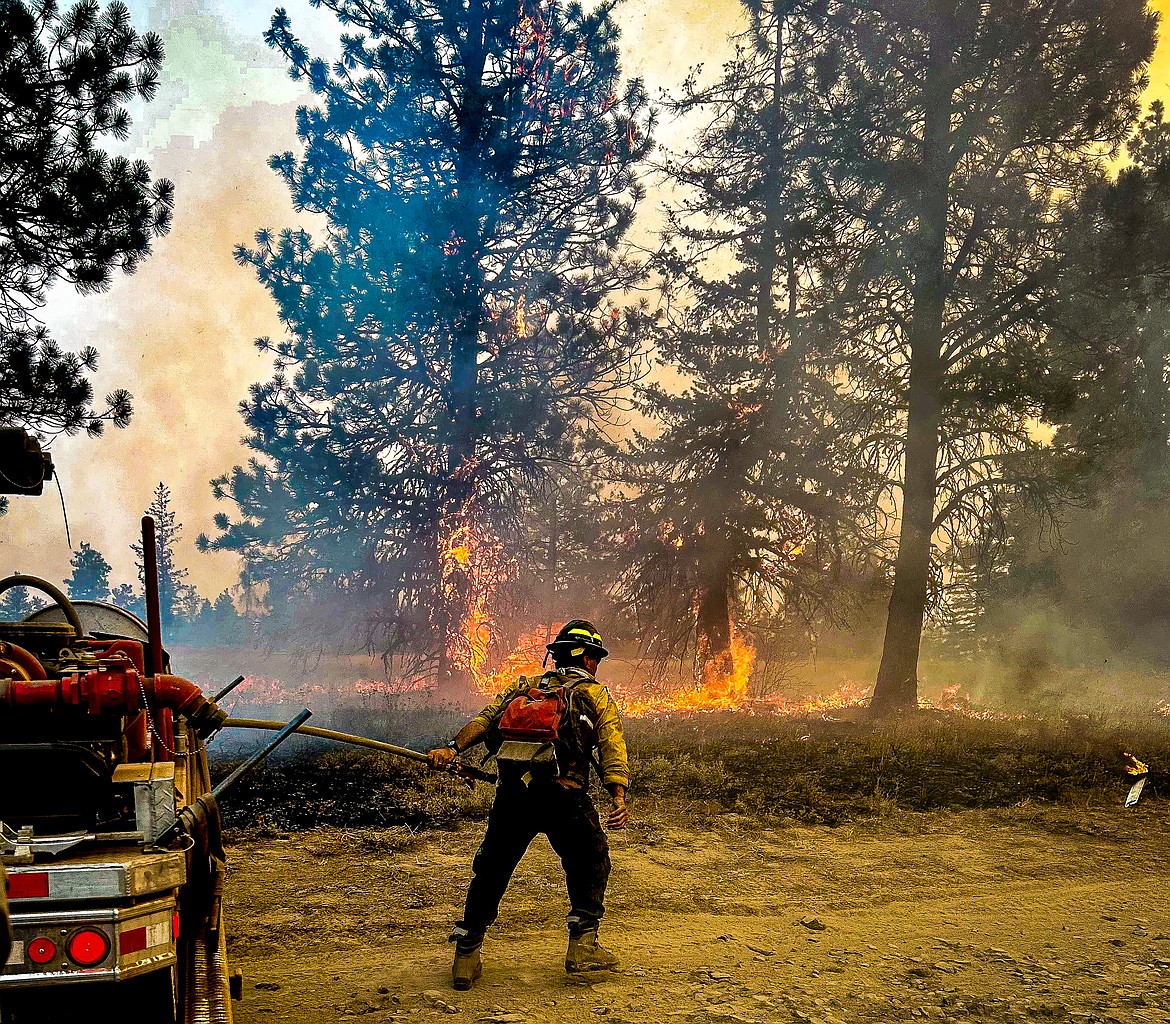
577, 637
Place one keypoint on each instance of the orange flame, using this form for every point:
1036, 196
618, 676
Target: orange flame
954, 702
472, 565
526, 660
474, 568
1135, 767
723, 683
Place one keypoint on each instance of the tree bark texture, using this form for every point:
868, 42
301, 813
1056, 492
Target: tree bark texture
714, 620
897, 680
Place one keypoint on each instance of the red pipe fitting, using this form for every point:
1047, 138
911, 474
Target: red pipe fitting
117, 690
180, 695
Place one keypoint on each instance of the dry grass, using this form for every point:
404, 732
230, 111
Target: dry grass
799, 769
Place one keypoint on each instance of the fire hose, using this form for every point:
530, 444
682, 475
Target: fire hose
471, 773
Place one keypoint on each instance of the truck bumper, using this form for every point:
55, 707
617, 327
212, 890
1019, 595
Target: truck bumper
74, 946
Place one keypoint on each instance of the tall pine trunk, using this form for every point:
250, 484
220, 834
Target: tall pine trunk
713, 621
897, 681
453, 682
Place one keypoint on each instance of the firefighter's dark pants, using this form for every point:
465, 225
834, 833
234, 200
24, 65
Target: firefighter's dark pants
519, 814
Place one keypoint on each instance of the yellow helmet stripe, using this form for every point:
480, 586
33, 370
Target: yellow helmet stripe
595, 637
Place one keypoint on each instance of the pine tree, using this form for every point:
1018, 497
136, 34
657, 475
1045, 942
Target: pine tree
90, 580
735, 506
456, 321
1110, 339
68, 211
175, 595
961, 132
123, 596
1112, 328
18, 603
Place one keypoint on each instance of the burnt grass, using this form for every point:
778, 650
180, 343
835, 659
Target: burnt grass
806, 770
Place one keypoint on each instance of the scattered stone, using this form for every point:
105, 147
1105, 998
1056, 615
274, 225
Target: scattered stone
813, 923
267, 986
761, 951
433, 997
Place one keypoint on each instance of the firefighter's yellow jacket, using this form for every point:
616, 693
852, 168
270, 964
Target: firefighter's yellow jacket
590, 698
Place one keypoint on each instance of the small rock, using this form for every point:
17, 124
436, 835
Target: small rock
267, 986
761, 951
813, 923
433, 997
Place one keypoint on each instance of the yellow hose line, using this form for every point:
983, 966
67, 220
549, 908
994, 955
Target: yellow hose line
328, 734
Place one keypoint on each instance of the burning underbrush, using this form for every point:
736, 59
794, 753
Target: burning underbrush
810, 769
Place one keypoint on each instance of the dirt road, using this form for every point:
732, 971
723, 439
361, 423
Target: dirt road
1028, 914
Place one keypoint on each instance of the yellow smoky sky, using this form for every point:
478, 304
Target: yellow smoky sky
1160, 66
179, 332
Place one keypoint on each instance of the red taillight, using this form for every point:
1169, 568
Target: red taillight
41, 951
30, 885
88, 948
175, 925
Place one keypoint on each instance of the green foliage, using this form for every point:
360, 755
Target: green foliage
961, 134
68, 211
455, 323
123, 596
734, 505
215, 624
1072, 593
48, 390
19, 602
90, 579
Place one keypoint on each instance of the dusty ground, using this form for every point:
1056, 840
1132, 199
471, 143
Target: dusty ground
1032, 913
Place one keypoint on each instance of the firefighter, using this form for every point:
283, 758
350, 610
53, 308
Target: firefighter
543, 788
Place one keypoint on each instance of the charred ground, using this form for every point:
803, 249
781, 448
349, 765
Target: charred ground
806, 770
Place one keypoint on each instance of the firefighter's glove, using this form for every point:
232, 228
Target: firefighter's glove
207, 719
619, 816
440, 758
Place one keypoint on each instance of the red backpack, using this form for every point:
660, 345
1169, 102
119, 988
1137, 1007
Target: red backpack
534, 732
535, 715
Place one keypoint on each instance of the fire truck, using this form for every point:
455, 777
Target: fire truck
109, 828
109, 823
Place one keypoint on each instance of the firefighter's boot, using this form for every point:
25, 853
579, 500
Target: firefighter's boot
587, 954
467, 967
